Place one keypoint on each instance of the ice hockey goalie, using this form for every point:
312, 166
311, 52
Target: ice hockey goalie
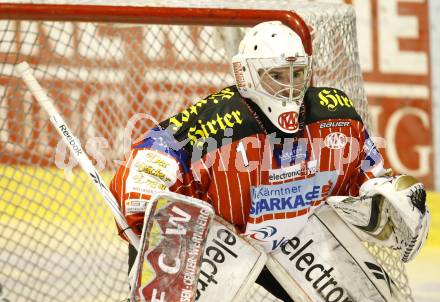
268, 151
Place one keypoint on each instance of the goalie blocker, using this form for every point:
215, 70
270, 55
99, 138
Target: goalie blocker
172, 241
175, 264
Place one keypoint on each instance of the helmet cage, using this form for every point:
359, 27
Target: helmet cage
282, 79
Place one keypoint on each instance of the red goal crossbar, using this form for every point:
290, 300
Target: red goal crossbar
156, 15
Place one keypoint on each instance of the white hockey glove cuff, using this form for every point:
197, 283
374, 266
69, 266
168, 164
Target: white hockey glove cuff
390, 211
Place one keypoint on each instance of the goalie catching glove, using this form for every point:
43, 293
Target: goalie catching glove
390, 211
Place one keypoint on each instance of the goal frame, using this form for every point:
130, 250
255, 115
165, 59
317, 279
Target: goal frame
156, 15
189, 16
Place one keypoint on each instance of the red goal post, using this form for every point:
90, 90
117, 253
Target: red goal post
104, 65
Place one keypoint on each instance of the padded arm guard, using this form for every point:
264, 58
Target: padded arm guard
390, 211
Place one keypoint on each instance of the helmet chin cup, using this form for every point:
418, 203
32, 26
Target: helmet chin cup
284, 116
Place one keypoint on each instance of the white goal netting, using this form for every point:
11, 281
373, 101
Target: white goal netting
58, 240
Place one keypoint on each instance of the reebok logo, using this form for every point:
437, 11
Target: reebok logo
380, 274
70, 139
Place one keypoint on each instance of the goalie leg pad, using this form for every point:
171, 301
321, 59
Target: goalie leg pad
229, 262
322, 262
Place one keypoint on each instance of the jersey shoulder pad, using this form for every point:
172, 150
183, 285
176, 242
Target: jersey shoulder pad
211, 117
323, 103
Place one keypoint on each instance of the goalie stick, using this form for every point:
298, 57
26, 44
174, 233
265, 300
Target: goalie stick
171, 281
26, 73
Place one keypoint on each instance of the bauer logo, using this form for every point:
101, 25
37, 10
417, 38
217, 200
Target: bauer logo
335, 140
334, 124
288, 120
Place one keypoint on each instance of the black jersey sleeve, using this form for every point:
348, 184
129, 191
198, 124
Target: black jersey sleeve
323, 103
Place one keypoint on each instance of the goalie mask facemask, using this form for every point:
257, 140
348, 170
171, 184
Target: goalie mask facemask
273, 70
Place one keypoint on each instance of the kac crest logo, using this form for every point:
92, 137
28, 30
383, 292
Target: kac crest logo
335, 140
288, 120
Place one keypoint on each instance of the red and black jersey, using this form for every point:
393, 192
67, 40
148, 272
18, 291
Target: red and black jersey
225, 151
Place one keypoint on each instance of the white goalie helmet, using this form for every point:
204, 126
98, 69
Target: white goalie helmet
273, 69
